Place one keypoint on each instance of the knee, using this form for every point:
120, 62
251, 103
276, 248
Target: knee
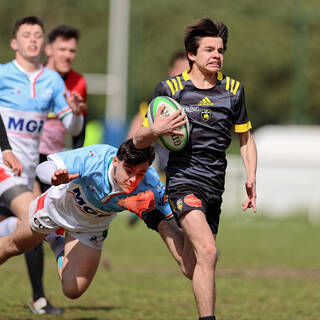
13, 247
187, 271
71, 291
187, 266
208, 255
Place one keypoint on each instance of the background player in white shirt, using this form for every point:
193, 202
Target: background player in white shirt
28, 91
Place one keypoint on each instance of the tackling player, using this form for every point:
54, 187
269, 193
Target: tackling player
214, 103
91, 185
28, 91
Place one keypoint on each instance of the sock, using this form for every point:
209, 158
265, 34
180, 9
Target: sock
34, 260
56, 243
8, 225
208, 318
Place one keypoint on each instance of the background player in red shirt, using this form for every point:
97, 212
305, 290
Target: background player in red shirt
61, 51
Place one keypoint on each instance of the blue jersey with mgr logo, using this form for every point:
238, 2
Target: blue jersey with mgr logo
25, 100
91, 201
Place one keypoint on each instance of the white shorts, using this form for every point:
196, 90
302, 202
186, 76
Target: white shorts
41, 222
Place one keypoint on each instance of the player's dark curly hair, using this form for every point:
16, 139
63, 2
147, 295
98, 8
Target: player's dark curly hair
204, 28
128, 153
63, 31
26, 20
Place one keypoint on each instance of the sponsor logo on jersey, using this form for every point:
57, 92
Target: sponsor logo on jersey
38, 224
205, 102
192, 201
206, 115
191, 109
179, 204
23, 125
84, 207
164, 199
48, 221
94, 238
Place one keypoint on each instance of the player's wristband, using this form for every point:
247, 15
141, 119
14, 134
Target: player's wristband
6, 151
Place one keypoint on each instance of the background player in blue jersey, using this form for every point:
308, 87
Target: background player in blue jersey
214, 103
28, 91
91, 185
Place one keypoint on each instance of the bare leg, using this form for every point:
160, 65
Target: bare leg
198, 232
179, 246
79, 266
21, 240
20, 205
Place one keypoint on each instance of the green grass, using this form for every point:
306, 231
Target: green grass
268, 269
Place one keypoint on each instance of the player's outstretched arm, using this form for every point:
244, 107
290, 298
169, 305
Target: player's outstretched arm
48, 173
62, 176
161, 125
248, 152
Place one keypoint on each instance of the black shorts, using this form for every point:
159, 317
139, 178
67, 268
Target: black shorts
186, 198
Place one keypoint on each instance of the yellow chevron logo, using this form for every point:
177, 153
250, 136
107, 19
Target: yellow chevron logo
205, 102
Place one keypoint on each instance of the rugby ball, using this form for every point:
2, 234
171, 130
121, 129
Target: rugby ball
173, 142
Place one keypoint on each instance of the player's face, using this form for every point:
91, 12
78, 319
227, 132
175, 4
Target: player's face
209, 57
127, 176
61, 53
29, 41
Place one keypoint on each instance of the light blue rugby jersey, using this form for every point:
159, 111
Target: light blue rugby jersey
92, 164
24, 106
44, 94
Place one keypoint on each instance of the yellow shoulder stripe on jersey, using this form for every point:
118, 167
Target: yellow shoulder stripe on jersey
239, 128
174, 85
232, 85
179, 82
185, 75
145, 122
170, 86
143, 108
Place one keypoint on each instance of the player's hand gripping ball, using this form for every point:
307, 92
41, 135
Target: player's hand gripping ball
172, 142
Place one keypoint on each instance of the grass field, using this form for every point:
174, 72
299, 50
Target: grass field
268, 269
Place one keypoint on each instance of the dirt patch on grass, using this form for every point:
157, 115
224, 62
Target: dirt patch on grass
245, 272
270, 272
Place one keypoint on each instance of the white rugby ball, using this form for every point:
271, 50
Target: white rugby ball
172, 142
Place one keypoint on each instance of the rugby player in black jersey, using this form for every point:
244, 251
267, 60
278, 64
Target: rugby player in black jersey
214, 104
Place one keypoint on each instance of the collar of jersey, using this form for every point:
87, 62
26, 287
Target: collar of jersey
19, 68
114, 187
186, 76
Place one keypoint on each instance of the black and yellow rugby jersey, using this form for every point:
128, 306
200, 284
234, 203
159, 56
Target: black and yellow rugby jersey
212, 113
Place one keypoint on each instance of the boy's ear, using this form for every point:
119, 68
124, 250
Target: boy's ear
14, 44
115, 161
48, 50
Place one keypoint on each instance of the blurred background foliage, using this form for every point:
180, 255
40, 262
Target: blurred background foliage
273, 48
